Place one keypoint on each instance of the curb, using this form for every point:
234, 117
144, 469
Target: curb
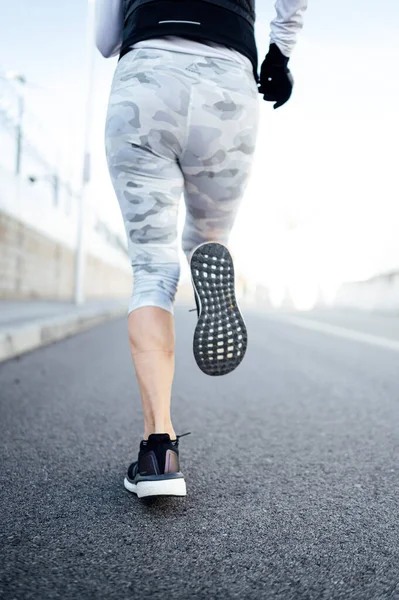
31, 336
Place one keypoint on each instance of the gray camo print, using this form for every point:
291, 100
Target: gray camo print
177, 124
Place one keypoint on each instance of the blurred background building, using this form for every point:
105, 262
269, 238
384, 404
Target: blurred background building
40, 199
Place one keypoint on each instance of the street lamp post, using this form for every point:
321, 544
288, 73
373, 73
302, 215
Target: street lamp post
21, 110
80, 250
20, 119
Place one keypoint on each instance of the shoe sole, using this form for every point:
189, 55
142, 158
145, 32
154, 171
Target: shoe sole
166, 487
220, 337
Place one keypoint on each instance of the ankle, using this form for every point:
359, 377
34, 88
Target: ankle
160, 428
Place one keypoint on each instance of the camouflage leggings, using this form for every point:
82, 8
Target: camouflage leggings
177, 124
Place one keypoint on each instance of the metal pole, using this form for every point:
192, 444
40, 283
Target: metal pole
21, 111
56, 188
80, 250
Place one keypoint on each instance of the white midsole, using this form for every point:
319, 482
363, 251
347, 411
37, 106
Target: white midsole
163, 487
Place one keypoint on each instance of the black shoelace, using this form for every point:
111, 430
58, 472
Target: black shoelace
182, 435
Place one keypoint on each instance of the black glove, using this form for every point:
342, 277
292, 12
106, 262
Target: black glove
276, 81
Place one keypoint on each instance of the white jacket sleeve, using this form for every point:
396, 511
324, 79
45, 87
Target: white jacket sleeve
109, 26
287, 24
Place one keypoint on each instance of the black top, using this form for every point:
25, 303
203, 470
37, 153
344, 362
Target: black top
227, 23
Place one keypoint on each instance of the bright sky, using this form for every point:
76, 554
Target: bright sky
323, 198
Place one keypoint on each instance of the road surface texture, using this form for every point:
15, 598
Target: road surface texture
292, 468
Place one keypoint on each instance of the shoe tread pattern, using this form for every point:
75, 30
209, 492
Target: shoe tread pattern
220, 337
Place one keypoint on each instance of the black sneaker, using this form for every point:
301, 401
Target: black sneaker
220, 338
157, 471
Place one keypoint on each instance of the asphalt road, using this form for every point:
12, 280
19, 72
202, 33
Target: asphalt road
292, 469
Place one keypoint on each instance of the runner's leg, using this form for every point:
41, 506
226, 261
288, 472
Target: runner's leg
144, 122
216, 165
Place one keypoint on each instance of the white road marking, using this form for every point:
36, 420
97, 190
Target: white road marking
342, 332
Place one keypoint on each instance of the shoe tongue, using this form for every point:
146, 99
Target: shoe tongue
159, 438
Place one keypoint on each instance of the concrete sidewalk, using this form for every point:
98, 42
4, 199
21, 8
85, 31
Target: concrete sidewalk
26, 325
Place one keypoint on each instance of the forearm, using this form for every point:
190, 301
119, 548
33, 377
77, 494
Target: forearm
287, 24
109, 26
